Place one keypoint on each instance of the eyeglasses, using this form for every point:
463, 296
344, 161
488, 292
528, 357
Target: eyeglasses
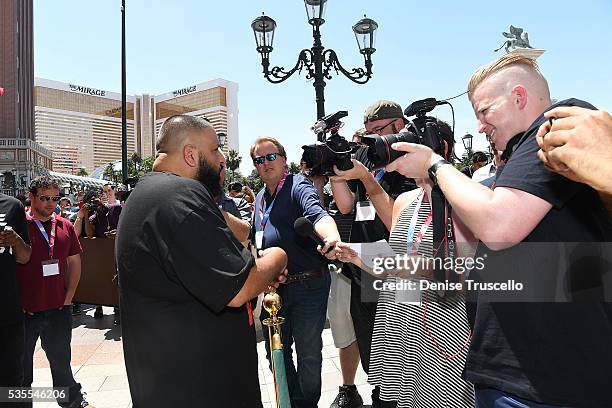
259, 160
380, 128
47, 198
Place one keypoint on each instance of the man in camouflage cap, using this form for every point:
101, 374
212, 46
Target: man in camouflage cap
384, 118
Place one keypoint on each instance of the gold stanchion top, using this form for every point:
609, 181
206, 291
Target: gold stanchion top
272, 303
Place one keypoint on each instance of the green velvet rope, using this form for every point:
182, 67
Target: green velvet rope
282, 391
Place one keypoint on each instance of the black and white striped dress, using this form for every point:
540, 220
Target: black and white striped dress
405, 361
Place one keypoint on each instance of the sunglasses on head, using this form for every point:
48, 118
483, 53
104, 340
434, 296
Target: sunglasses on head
259, 160
47, 198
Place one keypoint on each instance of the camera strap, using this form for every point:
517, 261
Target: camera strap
443, 236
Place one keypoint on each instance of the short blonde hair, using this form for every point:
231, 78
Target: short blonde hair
281, 149
508, 60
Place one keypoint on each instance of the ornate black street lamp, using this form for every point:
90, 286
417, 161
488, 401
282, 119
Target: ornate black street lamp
467, 144
222, 139
317, 61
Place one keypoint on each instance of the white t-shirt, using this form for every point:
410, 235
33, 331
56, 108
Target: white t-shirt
484, 172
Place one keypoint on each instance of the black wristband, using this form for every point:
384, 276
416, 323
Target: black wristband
434, 168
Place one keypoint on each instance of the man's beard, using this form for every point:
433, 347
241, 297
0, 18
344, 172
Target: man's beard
210, 178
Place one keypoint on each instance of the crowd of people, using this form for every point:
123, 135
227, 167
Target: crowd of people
192, 259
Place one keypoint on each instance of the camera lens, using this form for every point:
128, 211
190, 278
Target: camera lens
380, 152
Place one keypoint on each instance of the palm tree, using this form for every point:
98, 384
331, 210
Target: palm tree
82, 172
233, 161
146, 165
136, 160
254, 181
109, 172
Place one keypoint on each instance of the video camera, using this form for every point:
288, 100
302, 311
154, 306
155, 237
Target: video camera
91, 200
321, 157
422, 129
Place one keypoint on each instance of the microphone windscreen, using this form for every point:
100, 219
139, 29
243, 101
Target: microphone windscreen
303, 227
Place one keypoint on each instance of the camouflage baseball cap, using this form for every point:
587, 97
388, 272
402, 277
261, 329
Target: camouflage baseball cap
383, 110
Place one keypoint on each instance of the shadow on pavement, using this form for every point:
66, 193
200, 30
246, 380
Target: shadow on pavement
105, 322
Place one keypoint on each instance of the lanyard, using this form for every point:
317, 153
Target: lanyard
379, 174
413, 244
50, 240
264, 213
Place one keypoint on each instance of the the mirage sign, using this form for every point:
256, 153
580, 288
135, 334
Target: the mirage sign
184, 91
86, 90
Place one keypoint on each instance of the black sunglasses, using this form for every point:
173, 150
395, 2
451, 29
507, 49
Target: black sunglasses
47, 198
259, 160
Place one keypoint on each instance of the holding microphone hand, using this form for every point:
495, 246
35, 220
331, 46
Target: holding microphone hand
329, 249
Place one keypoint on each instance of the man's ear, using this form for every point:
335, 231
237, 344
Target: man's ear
399, 124
445, 149
190, 155
519, 96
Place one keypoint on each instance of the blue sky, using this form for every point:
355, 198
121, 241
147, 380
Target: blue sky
424, 49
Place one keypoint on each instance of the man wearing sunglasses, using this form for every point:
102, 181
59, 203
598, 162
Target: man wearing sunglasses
47, 284
284, 199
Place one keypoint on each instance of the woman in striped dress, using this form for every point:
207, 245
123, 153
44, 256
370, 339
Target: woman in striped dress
420, 338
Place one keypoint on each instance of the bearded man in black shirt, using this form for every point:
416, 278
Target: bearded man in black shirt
186, 281
540, 229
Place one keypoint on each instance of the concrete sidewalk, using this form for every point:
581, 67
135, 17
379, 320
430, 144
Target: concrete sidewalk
97, 363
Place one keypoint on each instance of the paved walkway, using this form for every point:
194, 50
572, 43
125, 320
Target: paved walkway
97, 363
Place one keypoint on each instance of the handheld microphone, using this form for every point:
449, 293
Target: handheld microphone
305, 228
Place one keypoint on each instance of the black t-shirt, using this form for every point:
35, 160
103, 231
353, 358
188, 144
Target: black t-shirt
394, 184
555, 353
179, 265
12, 214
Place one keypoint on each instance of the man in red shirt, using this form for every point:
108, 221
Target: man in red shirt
47, 284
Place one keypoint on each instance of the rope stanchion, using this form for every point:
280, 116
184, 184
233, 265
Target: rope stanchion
272, 303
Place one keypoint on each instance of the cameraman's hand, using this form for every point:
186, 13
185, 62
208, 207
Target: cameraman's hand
415, 163
358, 172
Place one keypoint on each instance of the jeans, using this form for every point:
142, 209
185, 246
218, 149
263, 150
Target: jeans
54, 327
492, 398
304, 309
